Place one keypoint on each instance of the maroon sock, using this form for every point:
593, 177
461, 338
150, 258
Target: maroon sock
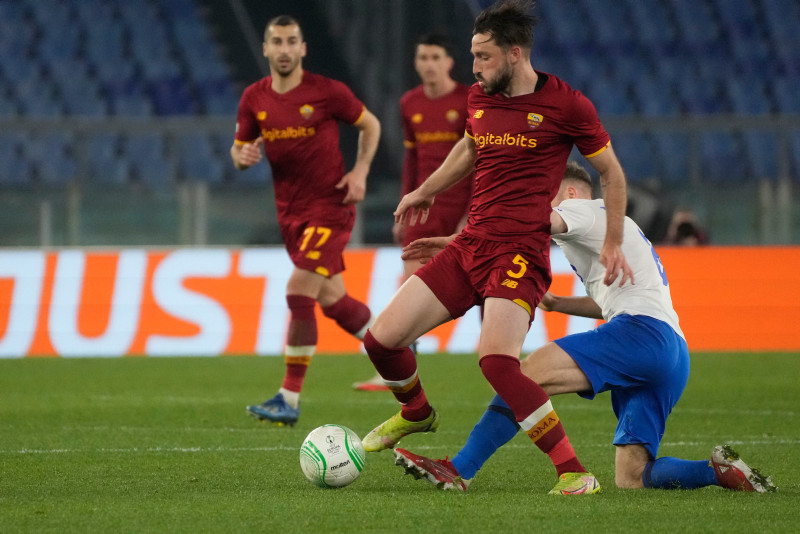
301, 340
399, 368
349, 313
533, 410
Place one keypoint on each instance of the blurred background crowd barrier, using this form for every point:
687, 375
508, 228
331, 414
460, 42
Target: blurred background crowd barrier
116, 116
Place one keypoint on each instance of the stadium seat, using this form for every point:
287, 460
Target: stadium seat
748, 95
197, 159
722, 158
105, 163
761, 148
13, 170
171, 97
785, 93
636, 154
794, 151
59, 165
672, 152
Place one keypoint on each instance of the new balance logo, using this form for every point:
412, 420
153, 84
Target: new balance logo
509, 283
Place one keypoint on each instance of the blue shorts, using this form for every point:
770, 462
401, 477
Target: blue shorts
645, 365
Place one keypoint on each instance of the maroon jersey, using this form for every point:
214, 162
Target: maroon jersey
523, 145
430, 129
301, 141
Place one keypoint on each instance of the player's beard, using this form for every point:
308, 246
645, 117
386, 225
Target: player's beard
284, 70
500, 82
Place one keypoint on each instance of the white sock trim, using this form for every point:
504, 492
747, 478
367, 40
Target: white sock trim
299, 350
292, 398
536, 416
363, 332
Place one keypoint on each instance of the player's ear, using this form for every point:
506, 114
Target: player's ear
572, 192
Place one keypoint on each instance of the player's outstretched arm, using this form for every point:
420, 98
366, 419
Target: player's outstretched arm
246, 155
355, 181
612, 183
459, 163
580, 306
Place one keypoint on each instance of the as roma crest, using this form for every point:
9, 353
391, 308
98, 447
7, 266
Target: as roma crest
306, 111
534, 120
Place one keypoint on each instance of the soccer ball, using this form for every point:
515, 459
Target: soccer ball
332, 456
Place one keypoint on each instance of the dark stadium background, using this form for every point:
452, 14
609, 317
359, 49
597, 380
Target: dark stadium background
116, 117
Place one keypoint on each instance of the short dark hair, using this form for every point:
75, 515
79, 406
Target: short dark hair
436, 39
282, 20
576, 172
509, 22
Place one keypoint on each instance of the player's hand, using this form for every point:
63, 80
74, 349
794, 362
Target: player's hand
424, 249
548, 302
412, 207
611, 256
356, 185
251, 153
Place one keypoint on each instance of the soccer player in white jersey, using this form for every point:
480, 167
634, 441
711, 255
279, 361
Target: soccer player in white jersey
639, 354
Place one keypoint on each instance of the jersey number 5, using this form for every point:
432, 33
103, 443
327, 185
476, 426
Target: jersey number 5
523, 266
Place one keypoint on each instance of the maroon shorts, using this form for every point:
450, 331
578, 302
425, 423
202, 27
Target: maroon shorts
471, 269
317, 244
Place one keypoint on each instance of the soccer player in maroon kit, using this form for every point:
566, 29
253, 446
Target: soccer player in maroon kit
292, 115
522, 126
434, 116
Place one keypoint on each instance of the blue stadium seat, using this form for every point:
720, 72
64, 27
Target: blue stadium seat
655, 96
794, 150
127, 97
651, 23
59, 165
696, 23
761, 149
722, 158
786, 97
197, 158
8, 107
14, 169
636, 154
171, 97
748, 95
610, 97
105, 163
672, 153
700, 95
146, 153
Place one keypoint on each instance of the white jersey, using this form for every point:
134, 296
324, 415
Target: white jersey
581, 244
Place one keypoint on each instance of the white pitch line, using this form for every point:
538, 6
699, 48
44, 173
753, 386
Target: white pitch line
140, 450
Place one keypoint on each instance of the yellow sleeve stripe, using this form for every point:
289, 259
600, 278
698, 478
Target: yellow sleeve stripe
593, 154
468, 135
409, 144
363, 112
240, 143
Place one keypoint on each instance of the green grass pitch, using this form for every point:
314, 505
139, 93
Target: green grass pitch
164, 445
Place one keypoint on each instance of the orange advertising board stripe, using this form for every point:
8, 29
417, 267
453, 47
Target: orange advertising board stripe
134, 302
736, 298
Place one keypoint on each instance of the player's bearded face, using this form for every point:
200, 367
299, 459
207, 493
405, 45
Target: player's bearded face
490, 64
284, 49
498, 83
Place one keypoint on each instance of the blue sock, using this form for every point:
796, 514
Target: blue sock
496, 428
674, 473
